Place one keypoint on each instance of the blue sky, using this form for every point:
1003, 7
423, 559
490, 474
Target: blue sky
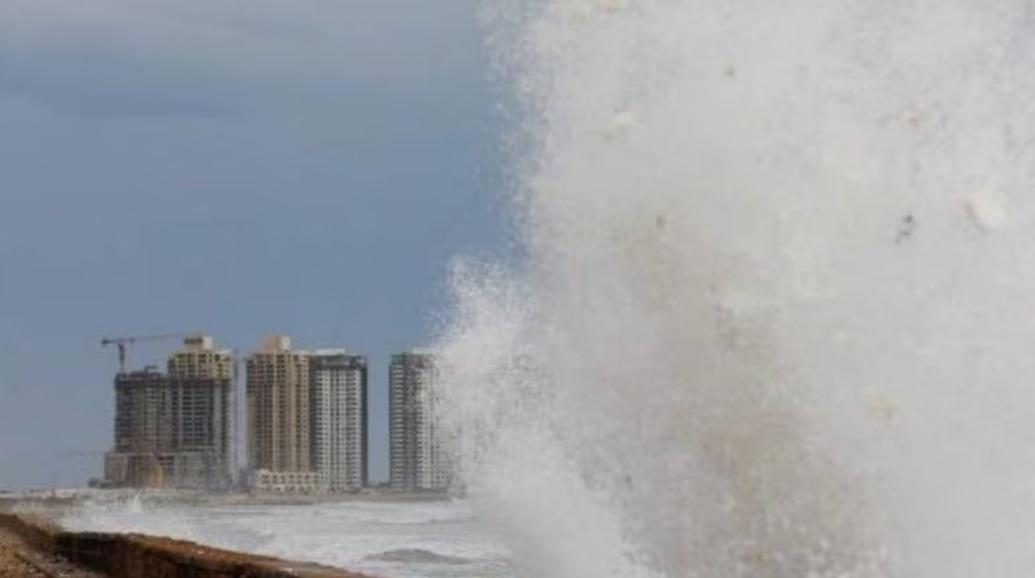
232, 166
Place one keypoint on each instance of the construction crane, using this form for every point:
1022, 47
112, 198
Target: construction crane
124, 343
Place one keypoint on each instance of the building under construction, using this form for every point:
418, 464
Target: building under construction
176, 430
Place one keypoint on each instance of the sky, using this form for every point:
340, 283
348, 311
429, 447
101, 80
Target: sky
237, 167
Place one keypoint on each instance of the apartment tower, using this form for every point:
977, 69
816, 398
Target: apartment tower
416, 461
278, 412
205, 381
339, 418
278, 408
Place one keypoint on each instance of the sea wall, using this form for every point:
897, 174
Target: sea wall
138, 556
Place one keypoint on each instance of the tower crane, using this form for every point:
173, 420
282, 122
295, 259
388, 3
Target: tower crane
124, 344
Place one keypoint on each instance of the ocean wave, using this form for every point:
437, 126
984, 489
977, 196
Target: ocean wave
416, 556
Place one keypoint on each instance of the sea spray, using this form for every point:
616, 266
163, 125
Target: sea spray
777, 311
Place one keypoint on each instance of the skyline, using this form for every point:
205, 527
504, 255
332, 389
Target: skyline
234, 167
236, 366
215, 418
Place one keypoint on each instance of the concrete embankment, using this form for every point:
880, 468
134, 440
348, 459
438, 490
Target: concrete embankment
138, 556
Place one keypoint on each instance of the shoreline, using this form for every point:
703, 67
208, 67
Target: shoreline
33, 544
52, 504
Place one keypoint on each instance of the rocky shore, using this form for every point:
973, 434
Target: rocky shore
20, 559
33, 547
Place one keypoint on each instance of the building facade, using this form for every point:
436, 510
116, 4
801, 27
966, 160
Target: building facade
205, 380
417, 460
278, 408
176, 430
339, 418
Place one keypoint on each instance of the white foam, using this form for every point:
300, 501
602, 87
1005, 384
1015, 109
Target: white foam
354, 535
756, 335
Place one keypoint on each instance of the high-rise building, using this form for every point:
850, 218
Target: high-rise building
278, 414
339, 418
143, 412
176, 429
417, 460
204, 379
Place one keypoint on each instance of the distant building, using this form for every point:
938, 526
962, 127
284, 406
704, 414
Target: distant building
143, 429
205, 380
177, 429
417, 461
278, 408
339, 418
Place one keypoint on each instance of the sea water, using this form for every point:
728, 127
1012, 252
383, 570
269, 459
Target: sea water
399, 539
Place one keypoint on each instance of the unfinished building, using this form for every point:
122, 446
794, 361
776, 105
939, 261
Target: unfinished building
176, 430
